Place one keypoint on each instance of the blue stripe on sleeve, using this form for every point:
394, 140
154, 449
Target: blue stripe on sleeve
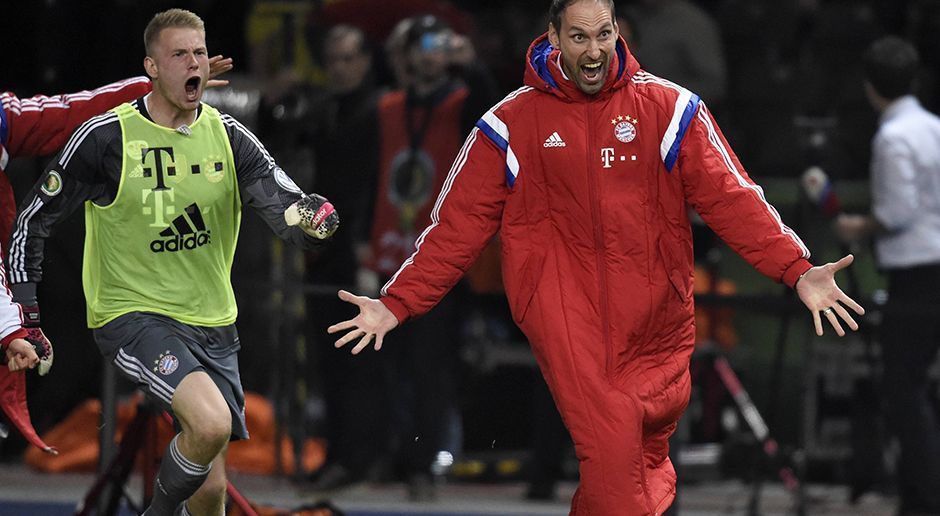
684, 122
4, 127
493, 135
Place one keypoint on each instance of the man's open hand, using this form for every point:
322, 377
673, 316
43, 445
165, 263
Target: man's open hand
374, 320
820, 293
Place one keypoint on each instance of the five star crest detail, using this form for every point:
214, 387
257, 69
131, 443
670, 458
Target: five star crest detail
623, 118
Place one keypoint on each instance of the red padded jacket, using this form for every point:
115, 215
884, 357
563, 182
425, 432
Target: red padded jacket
590, 196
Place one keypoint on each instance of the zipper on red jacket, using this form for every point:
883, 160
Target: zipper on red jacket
599, 247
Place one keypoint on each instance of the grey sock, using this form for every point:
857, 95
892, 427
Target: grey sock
176, 481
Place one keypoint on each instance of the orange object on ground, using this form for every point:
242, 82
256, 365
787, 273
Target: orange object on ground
714, 324
77, 440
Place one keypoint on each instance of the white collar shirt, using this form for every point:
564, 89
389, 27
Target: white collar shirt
905, 176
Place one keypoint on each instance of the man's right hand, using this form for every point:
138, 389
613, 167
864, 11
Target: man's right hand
374, 320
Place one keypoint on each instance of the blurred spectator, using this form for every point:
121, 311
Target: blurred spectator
905, 221
421, 129
395, 53
382, 16
504, 33
344, 138
681, 42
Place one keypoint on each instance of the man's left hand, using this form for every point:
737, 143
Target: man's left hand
820, 293
21, 355
314, 215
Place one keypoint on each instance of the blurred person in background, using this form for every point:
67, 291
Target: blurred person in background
420, 128
905, 224
344, 138
163, 180
395, 55
682, 43
587, 172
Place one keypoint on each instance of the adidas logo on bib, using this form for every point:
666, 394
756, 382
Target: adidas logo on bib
554, 141
183, 234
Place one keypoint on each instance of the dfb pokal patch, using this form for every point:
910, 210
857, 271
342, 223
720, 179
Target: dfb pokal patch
52, 185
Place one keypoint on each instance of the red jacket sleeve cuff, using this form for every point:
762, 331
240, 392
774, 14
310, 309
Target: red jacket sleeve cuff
796, 270
398, 309
18, 334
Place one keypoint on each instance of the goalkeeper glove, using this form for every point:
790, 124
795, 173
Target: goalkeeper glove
315, 215
37, 338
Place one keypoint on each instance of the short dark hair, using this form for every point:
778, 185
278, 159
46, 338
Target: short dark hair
559, 6
891, 65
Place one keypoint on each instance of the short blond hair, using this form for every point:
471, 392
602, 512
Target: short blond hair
171, 18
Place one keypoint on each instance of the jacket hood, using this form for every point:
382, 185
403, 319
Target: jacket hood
543, 71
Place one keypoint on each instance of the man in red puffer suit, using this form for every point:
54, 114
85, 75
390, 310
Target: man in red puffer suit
587, 172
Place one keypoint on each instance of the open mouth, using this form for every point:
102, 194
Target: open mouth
592, 71
192, 88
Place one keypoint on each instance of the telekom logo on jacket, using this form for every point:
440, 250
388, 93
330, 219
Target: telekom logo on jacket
607, 155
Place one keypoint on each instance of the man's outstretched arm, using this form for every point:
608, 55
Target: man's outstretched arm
466, 215
40, 125
735, 207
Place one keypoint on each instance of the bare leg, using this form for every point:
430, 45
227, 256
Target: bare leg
207, 425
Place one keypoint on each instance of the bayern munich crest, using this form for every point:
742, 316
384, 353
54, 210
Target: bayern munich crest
166, 364
624, 128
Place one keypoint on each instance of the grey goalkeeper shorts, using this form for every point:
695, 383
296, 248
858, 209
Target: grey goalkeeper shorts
157, 352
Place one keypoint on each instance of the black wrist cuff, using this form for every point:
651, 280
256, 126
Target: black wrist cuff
24, 293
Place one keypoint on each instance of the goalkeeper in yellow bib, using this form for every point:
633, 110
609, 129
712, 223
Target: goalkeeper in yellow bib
163, 180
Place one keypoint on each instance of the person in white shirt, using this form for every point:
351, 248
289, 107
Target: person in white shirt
905, 224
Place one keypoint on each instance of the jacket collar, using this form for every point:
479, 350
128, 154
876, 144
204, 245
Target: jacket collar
544, 71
